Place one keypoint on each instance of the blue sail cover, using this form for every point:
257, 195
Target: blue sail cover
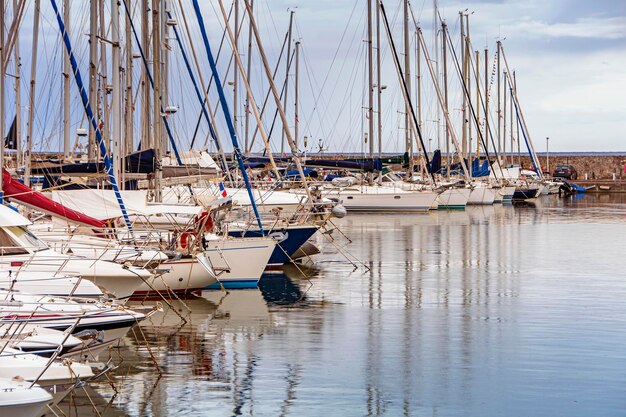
479, 170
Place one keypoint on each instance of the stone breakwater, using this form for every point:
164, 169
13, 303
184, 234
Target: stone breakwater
591, 167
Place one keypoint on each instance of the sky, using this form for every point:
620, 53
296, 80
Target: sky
569, 58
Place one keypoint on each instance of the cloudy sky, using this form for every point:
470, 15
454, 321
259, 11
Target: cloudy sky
569, 58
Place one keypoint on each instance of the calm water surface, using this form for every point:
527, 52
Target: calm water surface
491, 311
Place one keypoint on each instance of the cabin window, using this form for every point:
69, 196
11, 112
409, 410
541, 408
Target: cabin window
397, 197
8, 246
349, 197
27, 239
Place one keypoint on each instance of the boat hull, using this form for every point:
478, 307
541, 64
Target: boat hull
482, 196
294, 237
453, 198
242, 260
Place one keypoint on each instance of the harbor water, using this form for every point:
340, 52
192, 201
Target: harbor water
490, 311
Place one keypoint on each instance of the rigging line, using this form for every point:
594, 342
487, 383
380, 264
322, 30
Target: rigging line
282, 91
349, 89
227, 116
85, 100
322, 116
267, 95
332, 63
196, 89
469, 101
145, 63
406, 91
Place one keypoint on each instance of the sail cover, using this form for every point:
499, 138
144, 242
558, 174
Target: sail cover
15, 190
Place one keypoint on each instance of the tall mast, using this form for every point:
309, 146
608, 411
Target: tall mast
128, 114
66, 86
487, 136
249, 95
418, 69
246, 147
380, 90
519, 152
165, 63
408, 140
504, 100
464, 76
156, 71
18, 92
31, 95
116, 106
296, 87
478, 106
436, 79
445, 94
288, 64
370, 81
468, 83
444, 109
146, 140
235, 71
281, 111
93, 58
499, 106
103, 109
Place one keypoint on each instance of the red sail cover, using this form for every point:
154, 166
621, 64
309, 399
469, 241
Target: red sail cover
15, 190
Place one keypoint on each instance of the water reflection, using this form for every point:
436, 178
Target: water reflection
499, 310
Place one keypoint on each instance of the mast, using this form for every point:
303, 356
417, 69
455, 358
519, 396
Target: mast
146, 141
380, 88
249, 95
165, 63
499, 106
156, 71
103, 94
478, 106
296, 87
222, 96
408, 140
288, 65
436, 79
519, 152
504, 100
128, 113
468, 97
444, 109
91, 118
235, 70
445, 95
370, 80
246, 147
31, 96
18, 93
405, 92
116, 105
281, 111
463, 76
66, 87
486, 101
93, 58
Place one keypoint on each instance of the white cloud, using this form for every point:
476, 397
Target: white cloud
594, 27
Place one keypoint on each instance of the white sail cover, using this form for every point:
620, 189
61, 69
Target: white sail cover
102, 204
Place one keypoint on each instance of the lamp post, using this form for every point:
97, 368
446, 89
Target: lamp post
548, 154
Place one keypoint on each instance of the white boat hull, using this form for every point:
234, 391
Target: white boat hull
243, 260
390, 201
453, 198
482, 196
184, 275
